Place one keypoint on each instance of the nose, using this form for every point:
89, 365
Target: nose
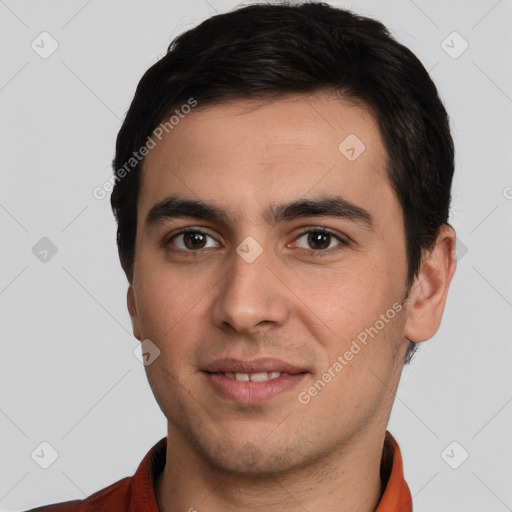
251, 296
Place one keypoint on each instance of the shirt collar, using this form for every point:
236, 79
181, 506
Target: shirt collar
396, 496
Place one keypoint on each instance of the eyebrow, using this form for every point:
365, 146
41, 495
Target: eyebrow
175, 207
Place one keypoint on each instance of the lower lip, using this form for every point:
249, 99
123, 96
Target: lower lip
248, 392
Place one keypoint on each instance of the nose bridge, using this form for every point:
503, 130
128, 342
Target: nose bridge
250, 294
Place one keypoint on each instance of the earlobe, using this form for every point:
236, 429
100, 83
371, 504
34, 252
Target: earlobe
130, 300
427, 298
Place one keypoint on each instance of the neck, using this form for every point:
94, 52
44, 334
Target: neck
347, 479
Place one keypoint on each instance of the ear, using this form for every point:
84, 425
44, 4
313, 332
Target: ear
130, 299
427, 298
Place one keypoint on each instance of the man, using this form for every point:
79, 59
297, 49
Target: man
282, 188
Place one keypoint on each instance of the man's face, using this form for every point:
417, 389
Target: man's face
251, 286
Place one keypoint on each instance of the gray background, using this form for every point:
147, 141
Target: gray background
68, 375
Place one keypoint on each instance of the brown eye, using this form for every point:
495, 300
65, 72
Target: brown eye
192, 240
318, 240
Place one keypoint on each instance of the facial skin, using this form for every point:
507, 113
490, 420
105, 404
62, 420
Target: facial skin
245, 156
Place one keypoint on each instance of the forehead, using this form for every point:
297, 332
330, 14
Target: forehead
251, 152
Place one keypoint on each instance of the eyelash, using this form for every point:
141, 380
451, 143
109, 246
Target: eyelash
310, 252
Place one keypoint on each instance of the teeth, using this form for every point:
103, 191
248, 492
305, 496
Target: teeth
259, 377
254, 377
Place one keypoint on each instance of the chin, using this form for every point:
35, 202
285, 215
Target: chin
251, 461
252, 458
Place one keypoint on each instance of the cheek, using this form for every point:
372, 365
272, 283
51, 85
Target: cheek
159, 303
171, 309
342, 306
341, 298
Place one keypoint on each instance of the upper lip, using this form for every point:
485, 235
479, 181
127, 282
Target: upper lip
264, 364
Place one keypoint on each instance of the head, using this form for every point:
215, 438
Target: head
247, 113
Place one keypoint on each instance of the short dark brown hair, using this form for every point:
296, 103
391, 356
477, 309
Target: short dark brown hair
276, 49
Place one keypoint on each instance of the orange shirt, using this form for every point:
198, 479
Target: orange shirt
136, 493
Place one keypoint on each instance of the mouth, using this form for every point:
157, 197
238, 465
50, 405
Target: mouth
252, 382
